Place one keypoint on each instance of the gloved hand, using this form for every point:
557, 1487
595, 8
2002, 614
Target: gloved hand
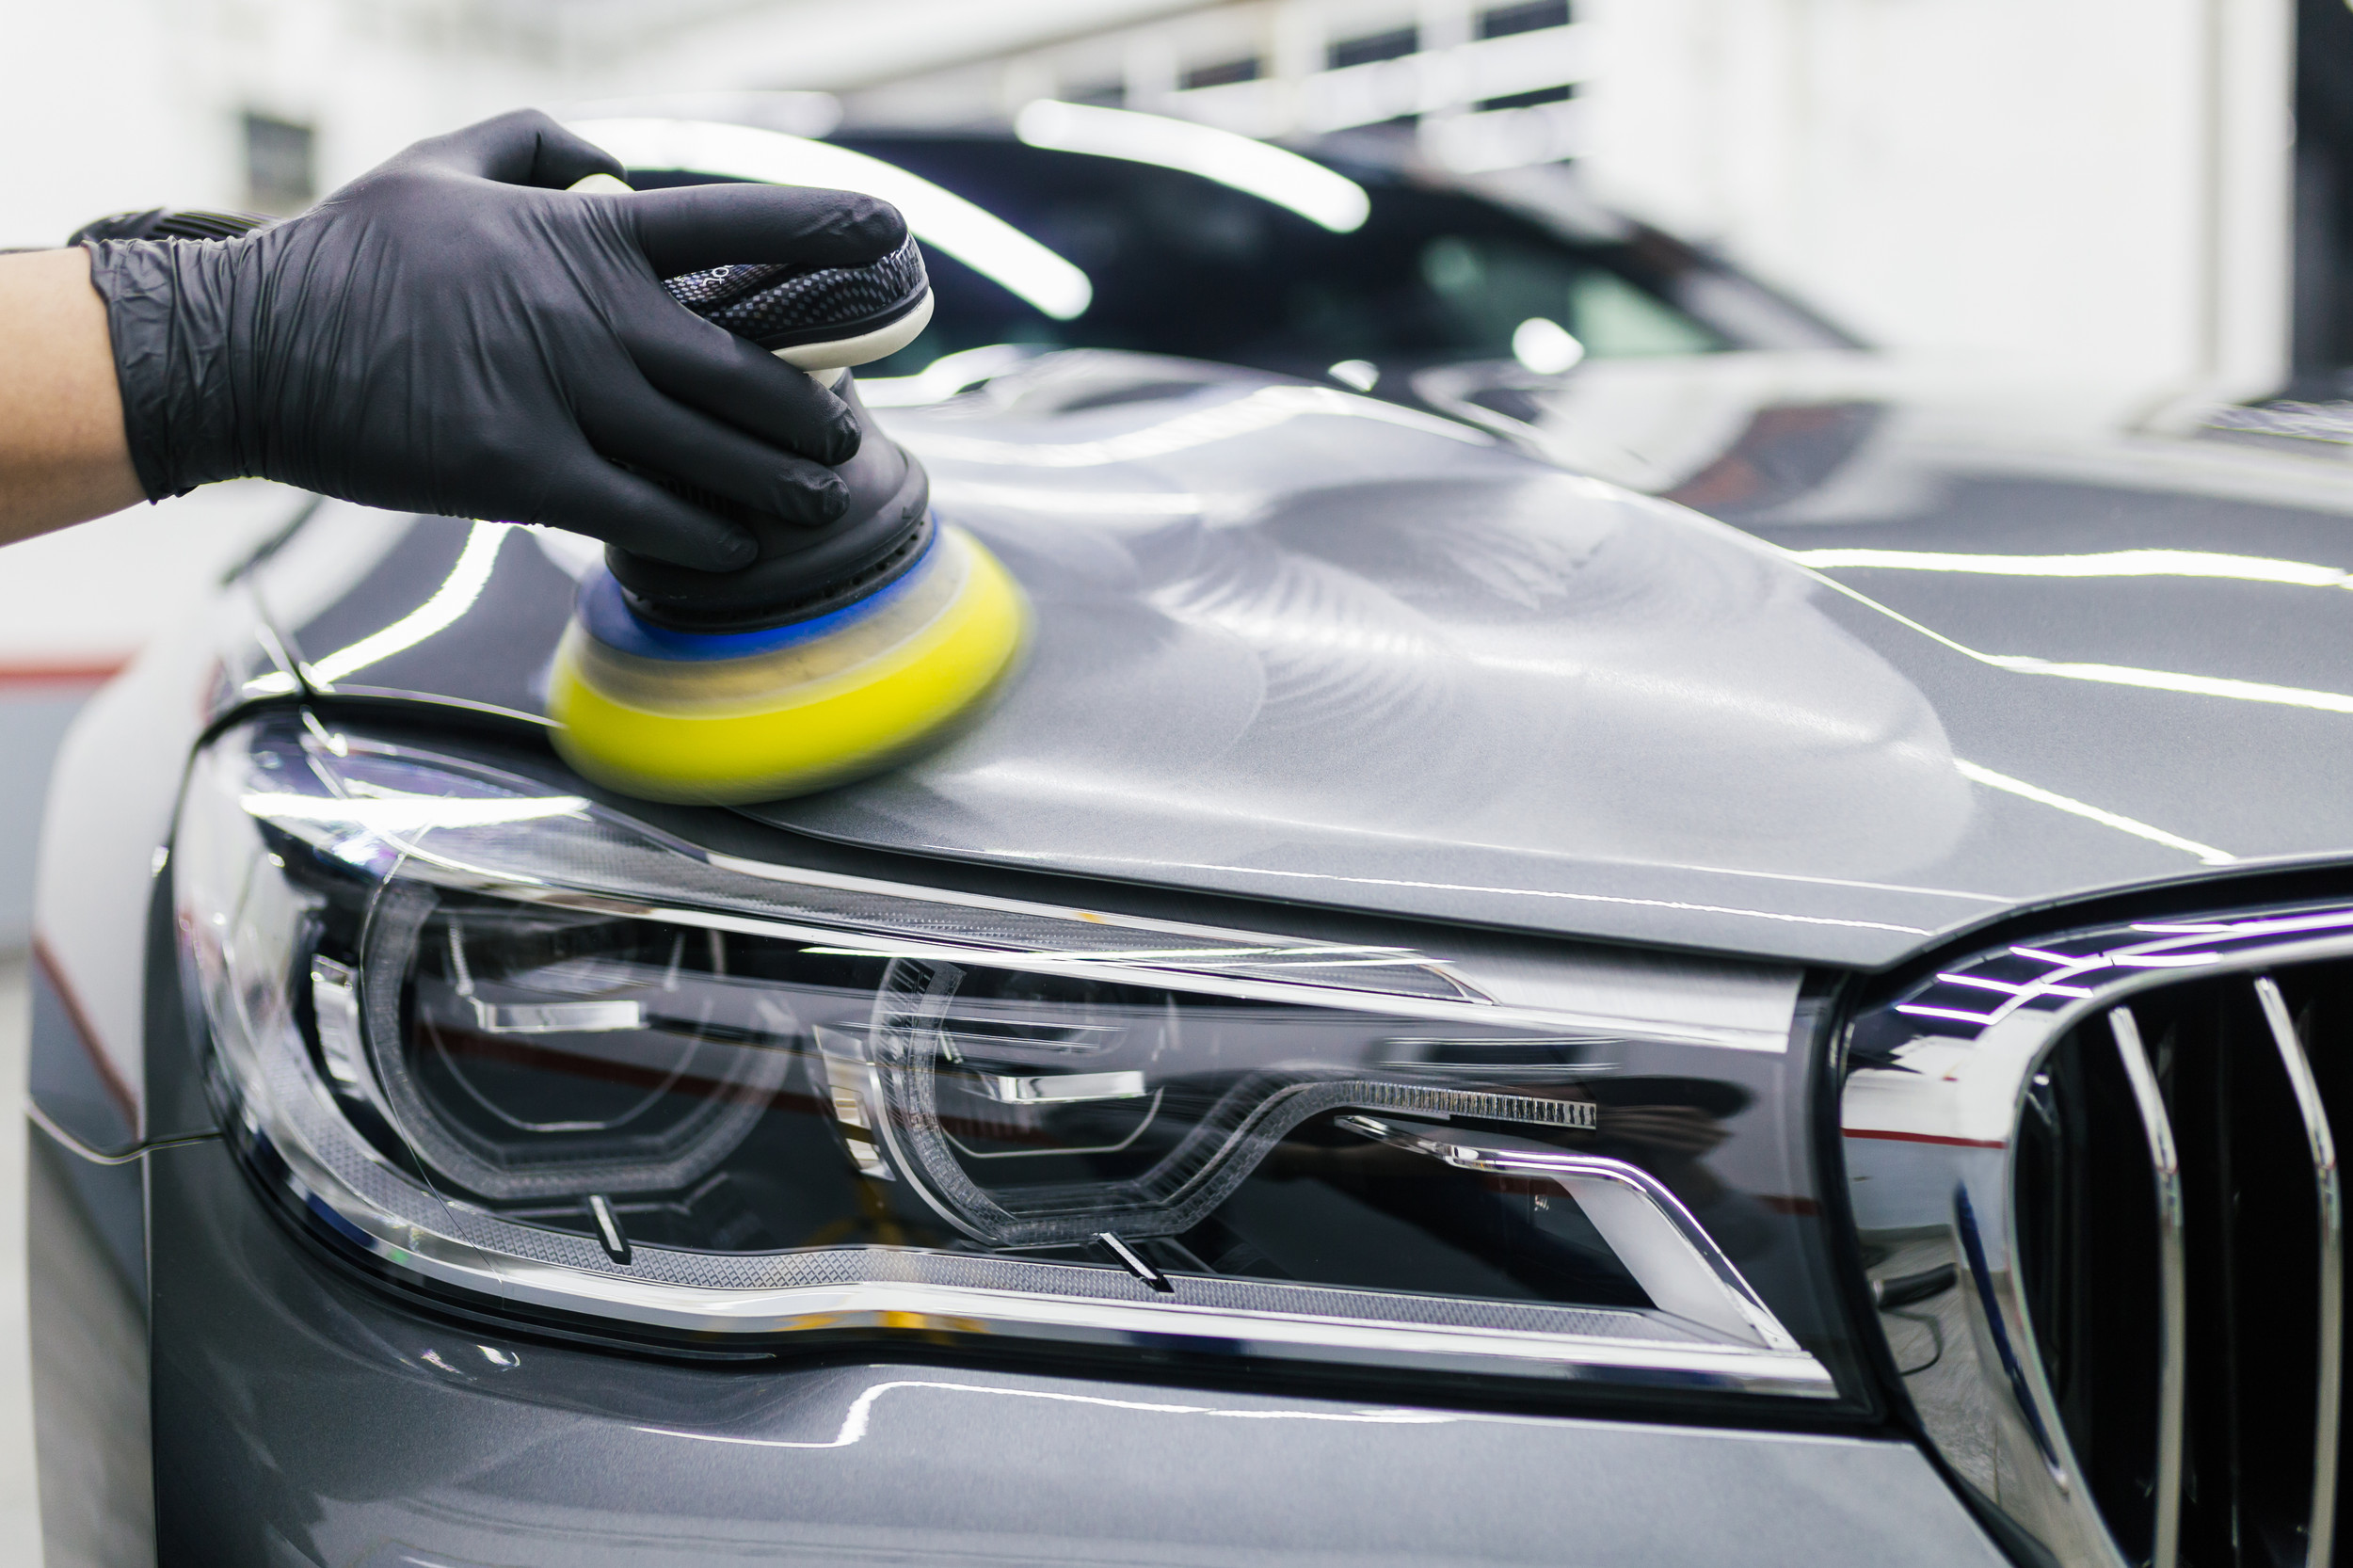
456, 332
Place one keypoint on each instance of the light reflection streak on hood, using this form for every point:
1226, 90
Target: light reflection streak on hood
1318, 955
450, 601
1260, 410
1149, 503
1516, 893
2119, 562
405, 814
2035, 793
2168, 680
2113, 675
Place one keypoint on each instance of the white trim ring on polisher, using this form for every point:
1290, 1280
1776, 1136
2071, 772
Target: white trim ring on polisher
843, 353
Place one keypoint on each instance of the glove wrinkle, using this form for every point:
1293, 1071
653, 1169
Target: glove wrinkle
447, 333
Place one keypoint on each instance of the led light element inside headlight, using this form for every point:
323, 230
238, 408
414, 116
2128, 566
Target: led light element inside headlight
502, 1042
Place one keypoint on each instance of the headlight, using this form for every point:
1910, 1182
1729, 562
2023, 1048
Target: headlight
508, 1043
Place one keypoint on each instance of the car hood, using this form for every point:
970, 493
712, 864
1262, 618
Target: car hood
1297, 643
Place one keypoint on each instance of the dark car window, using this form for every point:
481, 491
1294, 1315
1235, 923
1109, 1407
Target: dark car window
1181, 264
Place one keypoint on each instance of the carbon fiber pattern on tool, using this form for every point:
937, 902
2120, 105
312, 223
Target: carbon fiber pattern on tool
780, 304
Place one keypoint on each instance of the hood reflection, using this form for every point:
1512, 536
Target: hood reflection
1342, 666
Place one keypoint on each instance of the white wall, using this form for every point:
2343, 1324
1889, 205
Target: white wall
92, 117
123, 103
2088, 182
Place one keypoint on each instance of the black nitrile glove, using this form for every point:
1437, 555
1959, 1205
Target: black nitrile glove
455, 332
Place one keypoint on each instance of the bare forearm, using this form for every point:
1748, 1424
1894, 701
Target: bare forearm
63, 456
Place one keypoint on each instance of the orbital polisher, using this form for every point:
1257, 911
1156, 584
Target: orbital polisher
842, 649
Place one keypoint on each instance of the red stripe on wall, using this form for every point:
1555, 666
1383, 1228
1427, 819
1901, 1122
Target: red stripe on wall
84, 674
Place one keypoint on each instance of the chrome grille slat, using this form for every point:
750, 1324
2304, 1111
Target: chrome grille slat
2157, 1413
2320, 1534
2164, 1167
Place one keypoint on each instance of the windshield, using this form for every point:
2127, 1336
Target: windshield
1182, 265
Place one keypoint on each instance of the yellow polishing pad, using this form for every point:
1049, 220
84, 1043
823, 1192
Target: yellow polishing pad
728, 719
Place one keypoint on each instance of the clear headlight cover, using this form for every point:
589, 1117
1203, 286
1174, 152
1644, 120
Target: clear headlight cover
507, 1044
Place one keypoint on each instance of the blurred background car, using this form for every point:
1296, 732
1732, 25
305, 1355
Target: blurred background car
1425, 267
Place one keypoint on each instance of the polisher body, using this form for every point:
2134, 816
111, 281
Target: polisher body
840, 650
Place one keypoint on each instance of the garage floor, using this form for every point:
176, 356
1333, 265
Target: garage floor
19, 1510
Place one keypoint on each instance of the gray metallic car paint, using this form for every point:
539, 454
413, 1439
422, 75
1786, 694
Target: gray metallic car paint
1298, 645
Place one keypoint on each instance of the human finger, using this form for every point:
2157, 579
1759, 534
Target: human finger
688, 228
588, 494
710, 368
523, 147
652, 432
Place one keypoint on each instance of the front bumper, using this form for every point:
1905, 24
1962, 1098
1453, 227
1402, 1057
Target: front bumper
300, 1415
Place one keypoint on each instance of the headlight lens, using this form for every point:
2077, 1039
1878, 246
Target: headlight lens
504, 1042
